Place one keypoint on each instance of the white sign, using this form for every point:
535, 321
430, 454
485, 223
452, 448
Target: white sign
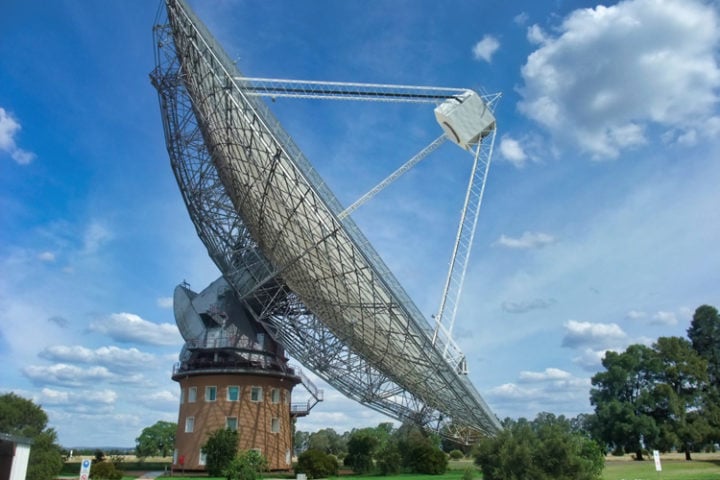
656, 456
85, 469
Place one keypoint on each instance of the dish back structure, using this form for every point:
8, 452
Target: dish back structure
275, 231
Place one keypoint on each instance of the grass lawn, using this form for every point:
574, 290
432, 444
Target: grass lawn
704, 466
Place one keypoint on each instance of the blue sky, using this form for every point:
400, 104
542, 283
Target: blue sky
599, 226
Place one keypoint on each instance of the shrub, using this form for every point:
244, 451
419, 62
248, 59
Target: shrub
456, 454
105, 471
429, 460
246, 466
316, 464
389, 460
469, 473
220, 450
545, 449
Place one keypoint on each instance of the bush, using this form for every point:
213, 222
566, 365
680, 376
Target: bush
469, 473
246, 466
429, 460
545, 449
316, 464
105, 471
456, 454
220, 450
389, 460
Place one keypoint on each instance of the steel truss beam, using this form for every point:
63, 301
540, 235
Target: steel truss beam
335, 307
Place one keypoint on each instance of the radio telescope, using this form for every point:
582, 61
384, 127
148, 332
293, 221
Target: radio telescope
291, 255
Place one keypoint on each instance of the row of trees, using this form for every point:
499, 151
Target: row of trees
666, 396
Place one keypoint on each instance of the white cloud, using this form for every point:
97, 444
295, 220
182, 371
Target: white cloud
521, 18
485, 48
96, 234
663, 71
536, 35
587, 334
128, 327
65, 375
526, 240
8, 128
512, 151
46, 257
165, 302
49, 396
590, 360
664, 318
109, 356
635, 315
547, 374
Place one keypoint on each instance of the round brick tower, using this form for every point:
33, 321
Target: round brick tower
232, 374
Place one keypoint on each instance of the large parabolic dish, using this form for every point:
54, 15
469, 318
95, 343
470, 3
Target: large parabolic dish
276, 232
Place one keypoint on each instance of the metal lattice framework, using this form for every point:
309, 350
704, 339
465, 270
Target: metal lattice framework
274, 229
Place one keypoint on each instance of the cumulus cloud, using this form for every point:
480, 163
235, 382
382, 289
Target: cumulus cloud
512, 151
109, 356
526, 240
663, 71
165, 302
8, 128
128, 327
50, 396
587, 334
590, 359
65, 375
485, 48
546, 375
527, 306
635, 315
552, 389
664, 318
161, 400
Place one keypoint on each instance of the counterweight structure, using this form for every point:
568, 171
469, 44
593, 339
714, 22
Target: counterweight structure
287, 247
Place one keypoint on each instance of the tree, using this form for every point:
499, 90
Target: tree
23, 418
544, 449
361, 449
158, 439
704, 333
300, 441
419, 453
677, 393
220, 450
316, 464
246, 465
622, 399
327, 440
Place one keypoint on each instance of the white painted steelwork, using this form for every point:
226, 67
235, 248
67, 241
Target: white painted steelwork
273, 228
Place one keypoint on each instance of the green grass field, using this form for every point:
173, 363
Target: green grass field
705, 466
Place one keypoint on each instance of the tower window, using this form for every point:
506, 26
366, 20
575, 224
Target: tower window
233, 393
256, 394
210, 394
275, 395
189, 424
275, 425
192, 394
231, 423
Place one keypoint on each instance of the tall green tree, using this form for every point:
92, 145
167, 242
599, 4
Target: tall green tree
23, 418
623, 401
362, 446
704, 333
677, 394
157, 439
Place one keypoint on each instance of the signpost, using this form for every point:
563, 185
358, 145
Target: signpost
85, 469
656, 457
